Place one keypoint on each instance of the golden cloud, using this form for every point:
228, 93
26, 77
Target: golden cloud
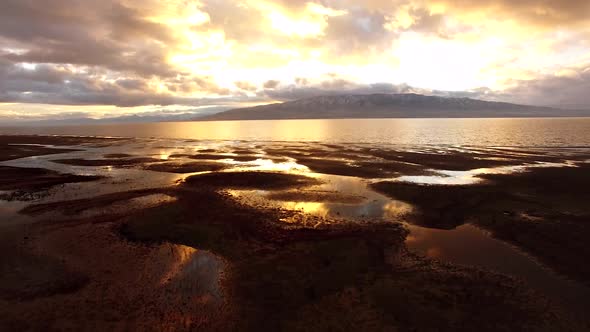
129, 53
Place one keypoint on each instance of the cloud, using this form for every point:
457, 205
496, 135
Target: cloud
360, 31
271, 84
551, 13
101, 33
246, 86
54, 84
567, 90
215, 52
335, 86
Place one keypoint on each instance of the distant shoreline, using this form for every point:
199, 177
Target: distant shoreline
105, 122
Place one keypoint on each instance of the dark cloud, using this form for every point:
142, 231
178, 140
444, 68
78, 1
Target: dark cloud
426, 22
360, 31
53, 84
93, 33
132, 84
271, 84
571, 91
237, 20
552, 13
246, 86
108, 52
335, 87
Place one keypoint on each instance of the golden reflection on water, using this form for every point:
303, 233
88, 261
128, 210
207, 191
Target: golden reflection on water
194, 274
446, 177
498, 132
164, 155
180, 256
315, 208
397, 209
262, 164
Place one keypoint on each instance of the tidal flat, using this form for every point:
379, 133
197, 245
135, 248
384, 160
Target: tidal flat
172, 234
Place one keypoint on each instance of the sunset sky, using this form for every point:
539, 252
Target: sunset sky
74, 58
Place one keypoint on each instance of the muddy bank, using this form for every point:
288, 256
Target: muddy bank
26, 276
543, 210
187, 255
117, 155
455, 161
119, 285
14, 147
23, 183
56, 140
213, 156
363, 169
346, 162
251, 180
186, 167
120, 162
296, 278
344, 276
367, 162
10, 152
78, 206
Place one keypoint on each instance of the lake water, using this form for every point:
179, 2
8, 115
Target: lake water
475, 132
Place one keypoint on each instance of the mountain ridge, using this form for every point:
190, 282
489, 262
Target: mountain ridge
382, 105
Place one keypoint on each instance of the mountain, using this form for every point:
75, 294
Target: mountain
388, 106
134, 118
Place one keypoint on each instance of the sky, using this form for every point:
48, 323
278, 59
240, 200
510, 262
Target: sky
63, 59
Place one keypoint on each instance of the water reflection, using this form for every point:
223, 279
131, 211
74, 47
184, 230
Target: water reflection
262, 164
164, 155
394, 210
194, 273
465, 244
314, 208
371, 205
446, 177
468, 245
498, 132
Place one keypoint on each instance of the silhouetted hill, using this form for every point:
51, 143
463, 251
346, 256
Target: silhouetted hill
388, 106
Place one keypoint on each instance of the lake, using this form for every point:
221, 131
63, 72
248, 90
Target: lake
538, 132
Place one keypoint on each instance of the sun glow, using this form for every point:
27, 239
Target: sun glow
417, 59
291, 27
194, 53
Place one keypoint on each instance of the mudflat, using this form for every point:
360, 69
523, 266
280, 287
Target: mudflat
291, 237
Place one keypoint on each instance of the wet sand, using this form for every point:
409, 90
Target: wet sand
106, 162
543, 211
270, 242
35, 179
187, 167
